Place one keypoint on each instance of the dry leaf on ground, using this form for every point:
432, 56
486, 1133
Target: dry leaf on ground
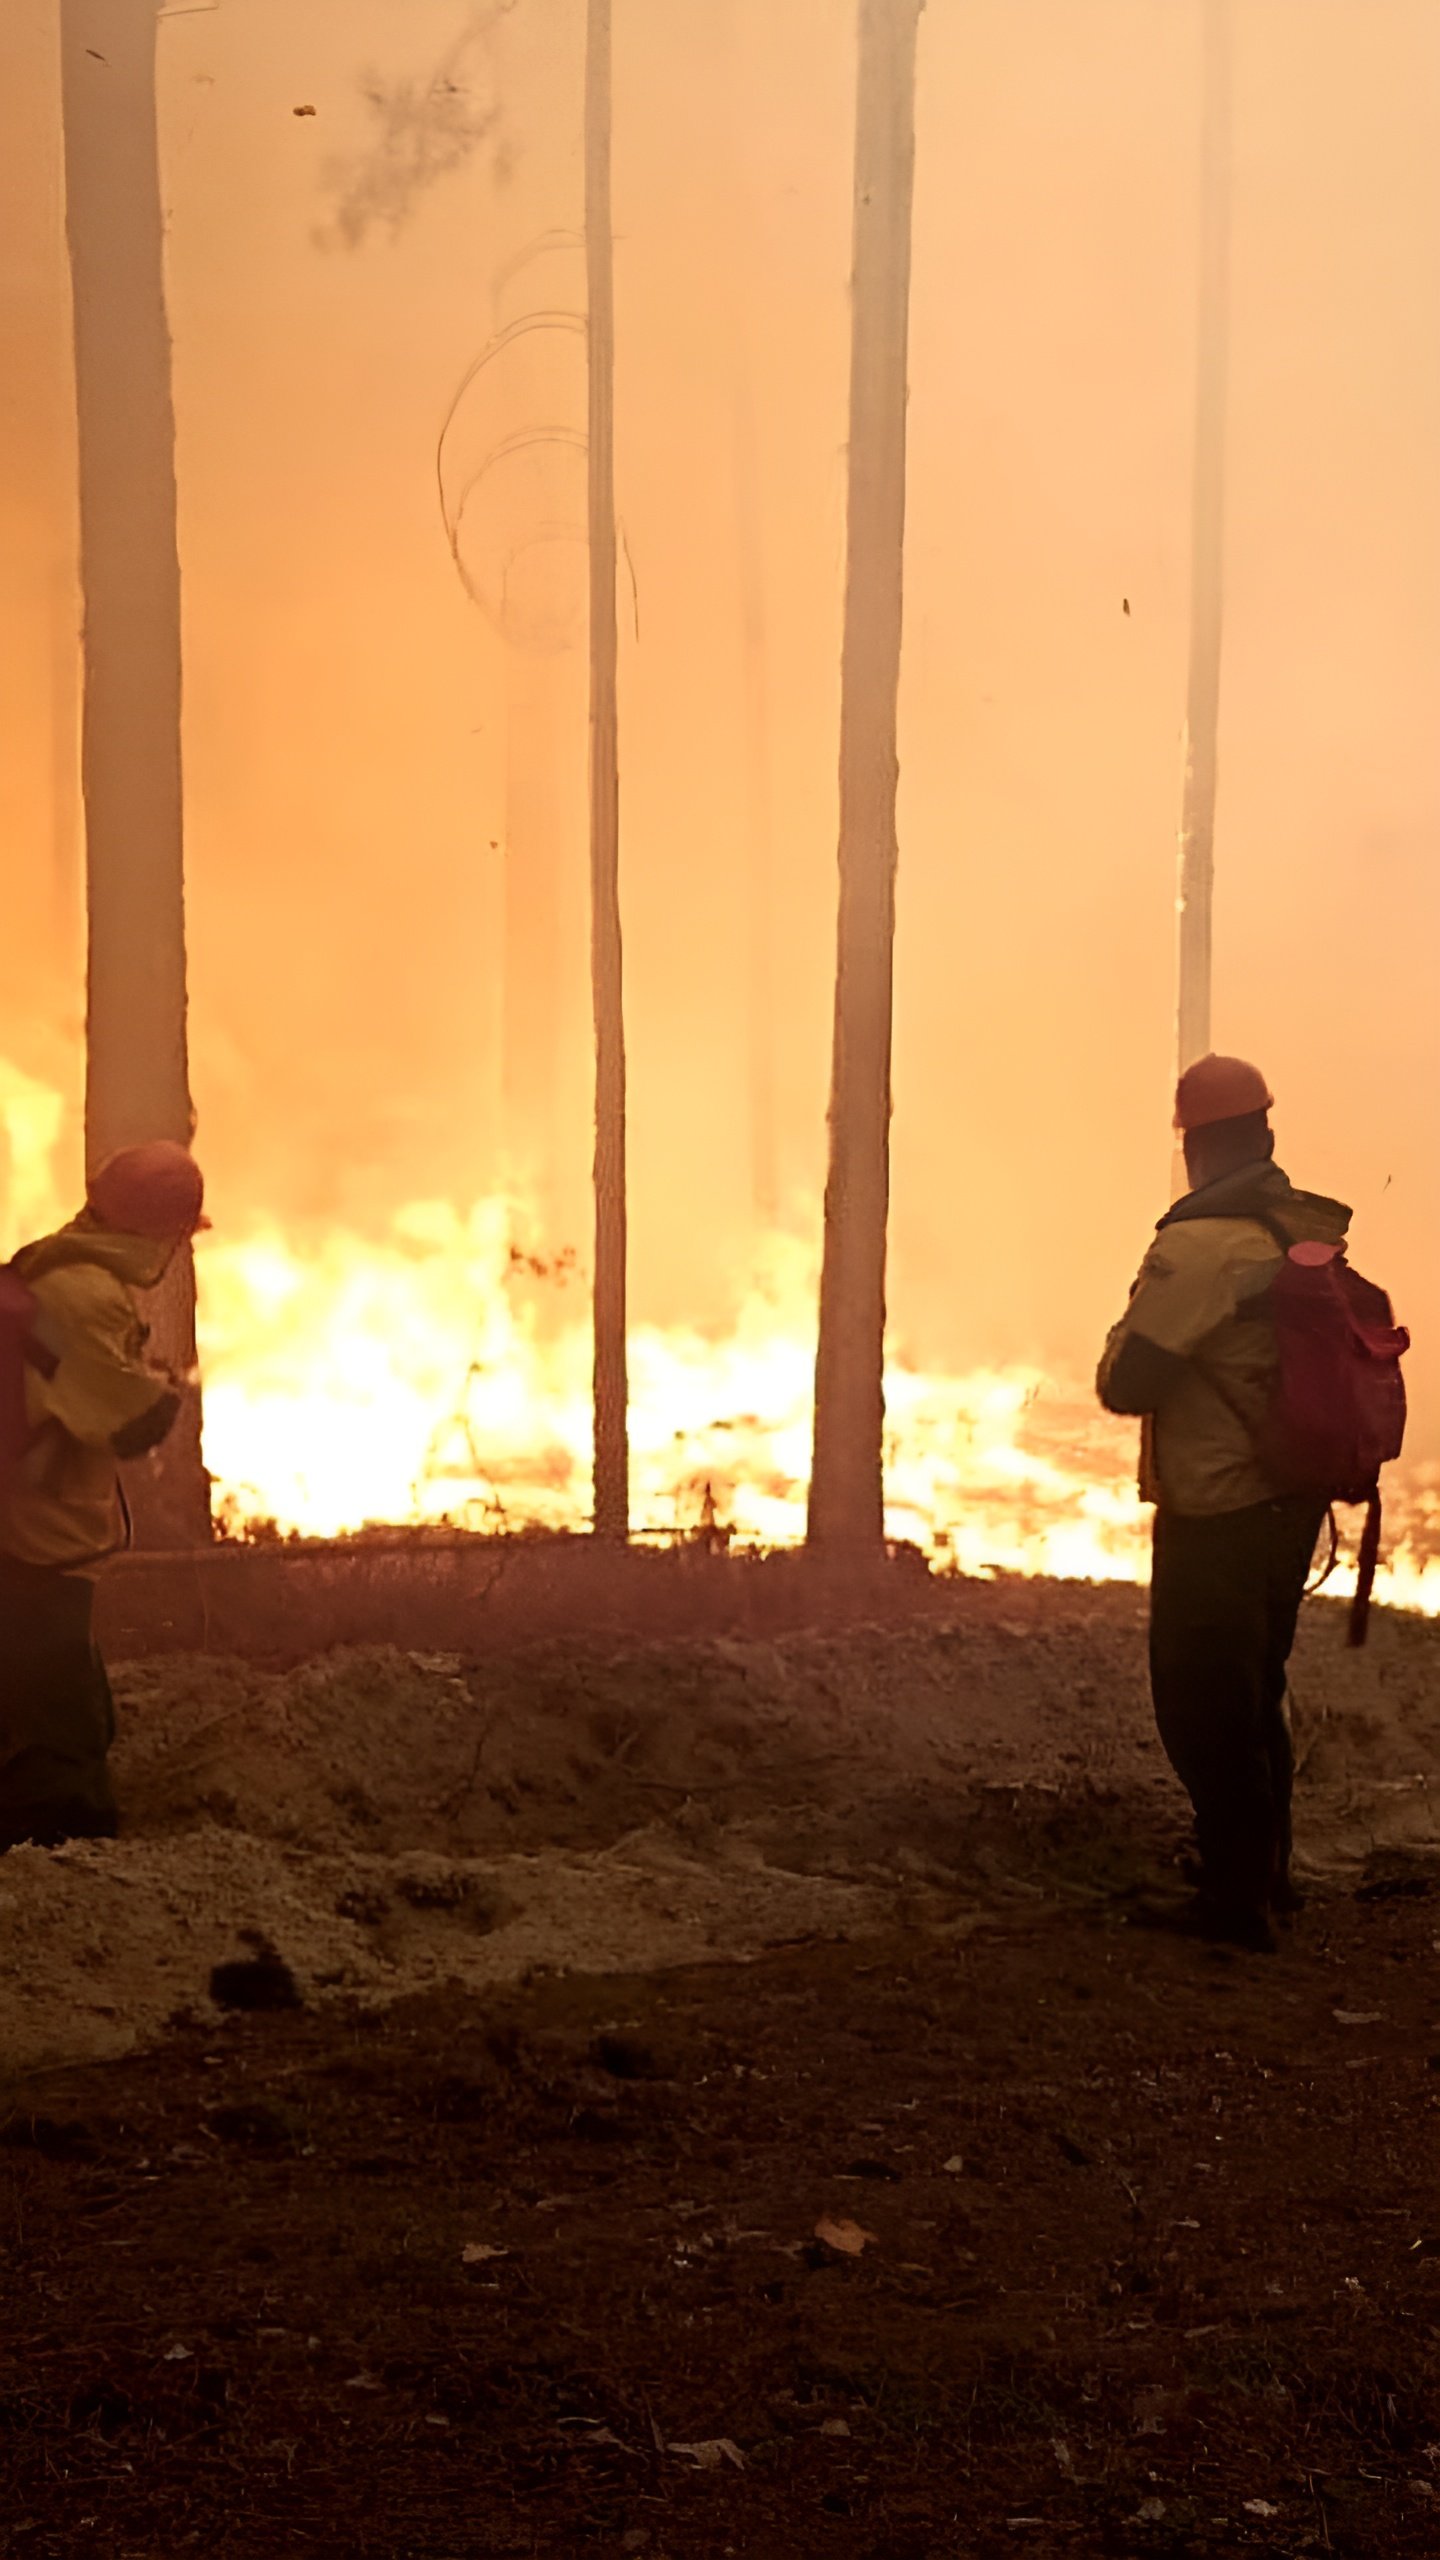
850, 2238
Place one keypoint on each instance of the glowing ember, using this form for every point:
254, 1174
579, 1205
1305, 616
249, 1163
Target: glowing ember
433, 1377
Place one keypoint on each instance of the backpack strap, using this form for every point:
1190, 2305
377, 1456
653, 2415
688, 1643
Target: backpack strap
1333, 1558
38, 1355
1365, 1575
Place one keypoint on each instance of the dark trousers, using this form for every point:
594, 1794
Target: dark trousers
1224, 1599
57, 1721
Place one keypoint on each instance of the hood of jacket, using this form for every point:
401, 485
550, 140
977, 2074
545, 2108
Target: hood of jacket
1263, 1192
138, 1262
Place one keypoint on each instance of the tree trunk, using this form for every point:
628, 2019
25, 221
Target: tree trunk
1207, 538
612, 1435
759, 826
846, 1488
137, 1084
64, 768
542, 1064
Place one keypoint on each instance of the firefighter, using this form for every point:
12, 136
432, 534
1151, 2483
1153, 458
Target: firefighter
1194, 1356
91, 1399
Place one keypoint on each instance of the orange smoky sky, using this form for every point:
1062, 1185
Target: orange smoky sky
364, 745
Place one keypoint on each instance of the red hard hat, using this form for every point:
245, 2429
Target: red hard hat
1219, 1089
154, 1190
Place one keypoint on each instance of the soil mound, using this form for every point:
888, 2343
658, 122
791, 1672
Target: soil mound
382, 1822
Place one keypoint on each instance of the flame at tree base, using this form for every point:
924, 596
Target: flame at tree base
442, 1377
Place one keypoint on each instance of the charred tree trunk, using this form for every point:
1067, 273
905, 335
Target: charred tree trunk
137, 1083
1207, 538
846, 1488
612, 1430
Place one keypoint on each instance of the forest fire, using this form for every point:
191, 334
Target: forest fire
706, 713
440, 1375
416, 1380
411, 1381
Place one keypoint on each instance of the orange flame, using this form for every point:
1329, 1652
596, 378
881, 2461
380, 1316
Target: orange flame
351, 1382
422, 1377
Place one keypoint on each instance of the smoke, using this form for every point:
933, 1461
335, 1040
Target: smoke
361, 743
423, 131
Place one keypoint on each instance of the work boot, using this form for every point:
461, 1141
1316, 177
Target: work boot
49, 1826
1220, 1925
1248, 1929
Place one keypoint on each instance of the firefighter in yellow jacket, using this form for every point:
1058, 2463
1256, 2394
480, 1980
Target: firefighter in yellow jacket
1195, 1356
92, 1398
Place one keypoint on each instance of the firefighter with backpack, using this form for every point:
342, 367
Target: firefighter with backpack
77, 1395
1267, 1376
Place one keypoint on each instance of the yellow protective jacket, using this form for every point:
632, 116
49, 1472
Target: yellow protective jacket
91, 1400
1194, 1353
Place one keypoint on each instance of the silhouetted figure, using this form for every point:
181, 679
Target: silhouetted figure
1195, 1354
79, 1395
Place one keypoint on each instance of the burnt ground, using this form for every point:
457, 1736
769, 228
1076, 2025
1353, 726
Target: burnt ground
1153, 2263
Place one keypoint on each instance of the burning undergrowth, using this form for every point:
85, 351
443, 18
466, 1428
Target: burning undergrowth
424, 1380
353, 1381
436, 1375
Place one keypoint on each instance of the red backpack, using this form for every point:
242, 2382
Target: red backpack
1337, 1409
19, 1351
